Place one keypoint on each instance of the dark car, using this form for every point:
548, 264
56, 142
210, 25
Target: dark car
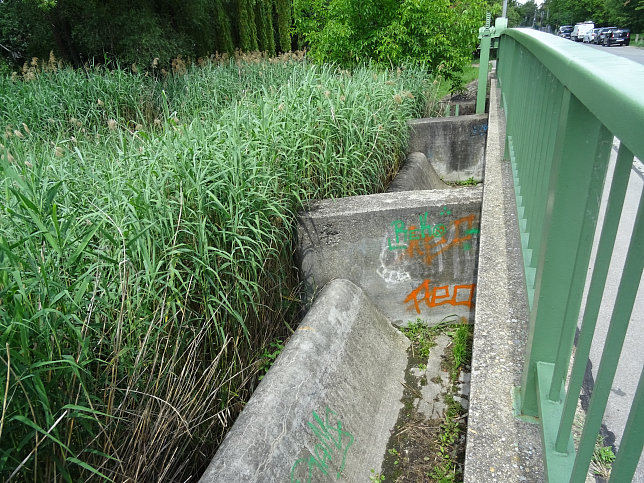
617, 37
601, 35
565, 31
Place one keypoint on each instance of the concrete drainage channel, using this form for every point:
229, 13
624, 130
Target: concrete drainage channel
336, 404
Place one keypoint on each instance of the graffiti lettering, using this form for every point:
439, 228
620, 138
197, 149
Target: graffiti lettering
330, 451
434, 297
431, 248
404, 235
479, 130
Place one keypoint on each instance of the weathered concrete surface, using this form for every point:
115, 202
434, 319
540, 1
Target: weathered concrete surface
500, 447
414, 253
325, 409
455, 146
465, 100
416, 174
464, 107
431, 402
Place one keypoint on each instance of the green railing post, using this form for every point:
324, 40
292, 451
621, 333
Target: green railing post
595, 291
484, 60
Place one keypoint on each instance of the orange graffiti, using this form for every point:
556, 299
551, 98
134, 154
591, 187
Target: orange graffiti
430, 247
434, 297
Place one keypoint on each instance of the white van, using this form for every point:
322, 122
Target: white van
580, 30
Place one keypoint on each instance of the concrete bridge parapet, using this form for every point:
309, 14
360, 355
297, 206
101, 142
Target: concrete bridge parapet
500, 447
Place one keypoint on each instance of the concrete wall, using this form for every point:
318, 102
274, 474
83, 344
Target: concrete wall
455, 146
416, 173
325, 409
413, 253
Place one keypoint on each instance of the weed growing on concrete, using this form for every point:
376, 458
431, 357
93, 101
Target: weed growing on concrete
602, 460
468, 182
421, 337
376, 476
461, 348
422, 449
447, 467
603, 455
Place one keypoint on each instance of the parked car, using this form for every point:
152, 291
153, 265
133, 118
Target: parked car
589, 37
580, 29
617, 37
565, 31
599, 39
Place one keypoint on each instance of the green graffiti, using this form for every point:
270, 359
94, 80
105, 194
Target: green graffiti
330, 451
403, 235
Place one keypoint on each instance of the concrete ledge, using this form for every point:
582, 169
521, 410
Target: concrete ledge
416, 174
414, 253
455, 146
325, 409
500, 447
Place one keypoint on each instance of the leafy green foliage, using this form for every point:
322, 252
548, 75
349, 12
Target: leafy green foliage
269, 355
447, 468
602, 459
421, 336
441, 34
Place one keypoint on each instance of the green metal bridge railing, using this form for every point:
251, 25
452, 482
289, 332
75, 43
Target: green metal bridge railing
564, 105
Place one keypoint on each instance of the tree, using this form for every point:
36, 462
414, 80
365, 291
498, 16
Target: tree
513, 14
97, 31
439, 33
528, 14
626, 13
570, 12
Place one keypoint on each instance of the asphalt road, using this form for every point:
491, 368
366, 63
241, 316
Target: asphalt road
636, 54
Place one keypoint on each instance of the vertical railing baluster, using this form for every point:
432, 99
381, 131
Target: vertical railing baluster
568, 188
595, 292
556, 97
632, 442
538, 105
626, 294
582, 257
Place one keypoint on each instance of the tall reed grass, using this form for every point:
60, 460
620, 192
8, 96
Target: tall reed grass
146, 249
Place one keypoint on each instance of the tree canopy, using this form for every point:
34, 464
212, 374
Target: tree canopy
440, 33
554, 13
138, 32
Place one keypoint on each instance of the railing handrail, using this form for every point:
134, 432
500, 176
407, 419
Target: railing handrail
612, 87
565, 103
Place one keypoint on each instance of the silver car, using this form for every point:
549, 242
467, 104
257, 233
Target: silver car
589, 37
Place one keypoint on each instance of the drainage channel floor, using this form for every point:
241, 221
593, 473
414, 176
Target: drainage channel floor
428, 442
